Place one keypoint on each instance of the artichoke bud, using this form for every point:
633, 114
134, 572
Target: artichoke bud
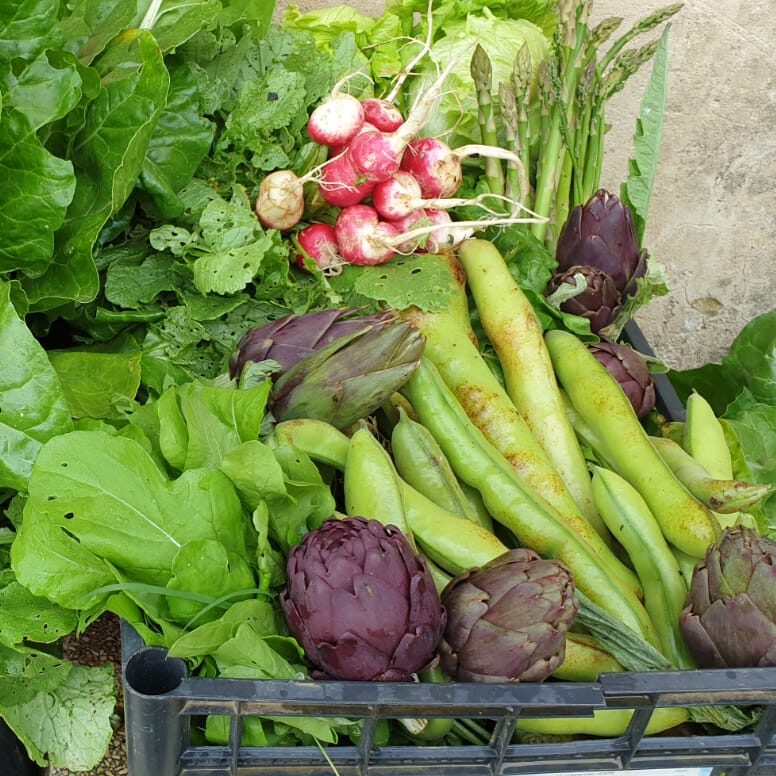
351, 377
630, 370
589, 292
361, 603
730, 618
290, 339
601, 234
507, 621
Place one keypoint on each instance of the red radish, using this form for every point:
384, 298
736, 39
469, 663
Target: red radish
383, 114
362, 237
319, 242
336, 121
341, 184
417, 218
280, 203
437, 167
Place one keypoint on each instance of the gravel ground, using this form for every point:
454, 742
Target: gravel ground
98, 645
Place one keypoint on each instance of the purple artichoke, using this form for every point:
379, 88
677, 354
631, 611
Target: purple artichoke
507, 621
730, 618
599, 302
361, 603
335, 367
601, 234
290, 339
630, 370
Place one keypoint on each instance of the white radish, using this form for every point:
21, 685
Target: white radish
280, 203
336, 121
362, 237
319, 242
437, 167
382, 114
341, 184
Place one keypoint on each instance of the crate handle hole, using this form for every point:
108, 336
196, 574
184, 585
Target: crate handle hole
151, 672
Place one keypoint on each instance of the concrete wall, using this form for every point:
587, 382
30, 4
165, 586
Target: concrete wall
713, 213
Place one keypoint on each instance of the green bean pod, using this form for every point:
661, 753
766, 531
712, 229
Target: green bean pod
704, 439
722, 496
421, 463
453, 542
533, 521
477, 505
629, 519
371, 485
320, 440
585, 660
488, 407
686, 564
608, 723
602, 404
515, 332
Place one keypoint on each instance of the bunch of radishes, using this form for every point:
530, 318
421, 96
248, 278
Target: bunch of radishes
393, 187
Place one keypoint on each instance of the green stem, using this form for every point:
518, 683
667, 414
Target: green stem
562, 197
482, 74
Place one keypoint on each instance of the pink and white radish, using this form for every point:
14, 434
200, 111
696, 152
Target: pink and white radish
378, 154
382, 114
437, 167
280, 203
336, 120
341, 184
319, 242
400, 195
362, 237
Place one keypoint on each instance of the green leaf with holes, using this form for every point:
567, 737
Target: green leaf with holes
420, 281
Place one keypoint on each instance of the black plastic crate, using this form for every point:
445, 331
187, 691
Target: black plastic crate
160, 700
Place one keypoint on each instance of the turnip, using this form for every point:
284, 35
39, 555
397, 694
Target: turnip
319, 243
280, 203
382, 114
341, 184
437, 167
362, 237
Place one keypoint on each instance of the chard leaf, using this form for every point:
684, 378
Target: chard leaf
636, 191
179, 143
38, 188
47, 89
32, 403
180, 20
27, 27
108, 154
68, 726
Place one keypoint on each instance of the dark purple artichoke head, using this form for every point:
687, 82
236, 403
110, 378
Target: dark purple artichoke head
507, 621
361, 603
599, 302
730, 617
290, 339
601, 234
630, 370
